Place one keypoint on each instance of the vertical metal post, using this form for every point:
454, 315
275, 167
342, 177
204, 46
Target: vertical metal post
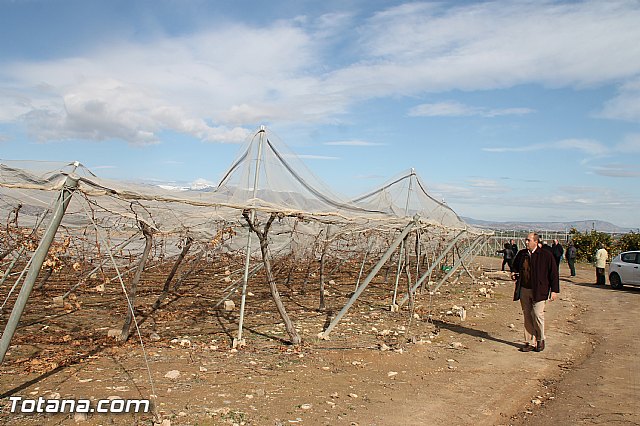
370, 277
431, 268
38, 259
239, 341
402, 247
460, 260
364, 260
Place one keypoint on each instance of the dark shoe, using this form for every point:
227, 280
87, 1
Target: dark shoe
526, 348
540, 346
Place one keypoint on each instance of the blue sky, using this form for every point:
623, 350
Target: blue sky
508, 110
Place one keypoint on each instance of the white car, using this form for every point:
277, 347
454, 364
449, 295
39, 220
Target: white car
625, 269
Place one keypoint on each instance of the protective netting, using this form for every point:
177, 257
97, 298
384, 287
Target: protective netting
109, 224
405, 196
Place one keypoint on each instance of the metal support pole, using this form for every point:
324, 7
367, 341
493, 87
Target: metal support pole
459, 262
370, 277
401, 258
398, 269
364, 260
239, 341
38, 259
11, 265
431, 268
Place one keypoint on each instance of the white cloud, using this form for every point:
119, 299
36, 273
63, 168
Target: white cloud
353, 143
317, 157
457, 109
555, 203
373, 176
215, 84
487, 185
488, 45
135, 91
626, 104
587, 146
618, 170
630, 144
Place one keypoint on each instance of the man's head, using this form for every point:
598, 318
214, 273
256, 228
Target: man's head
532, 241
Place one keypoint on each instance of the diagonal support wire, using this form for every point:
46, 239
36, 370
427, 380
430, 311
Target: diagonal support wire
124, 291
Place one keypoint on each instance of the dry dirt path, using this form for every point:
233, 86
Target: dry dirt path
588, 374
603, 388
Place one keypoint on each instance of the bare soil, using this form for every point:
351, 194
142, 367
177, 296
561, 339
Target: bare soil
378, 368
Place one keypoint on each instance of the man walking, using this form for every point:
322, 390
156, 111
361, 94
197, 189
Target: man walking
601, 263
537, 280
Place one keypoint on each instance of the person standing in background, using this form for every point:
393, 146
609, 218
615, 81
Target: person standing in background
601, 262
514, 247
571, 255
558, 251
507, 256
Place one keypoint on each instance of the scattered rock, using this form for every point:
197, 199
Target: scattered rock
80, 417
173, 374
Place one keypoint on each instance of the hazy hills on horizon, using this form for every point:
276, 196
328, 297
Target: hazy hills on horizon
580, 225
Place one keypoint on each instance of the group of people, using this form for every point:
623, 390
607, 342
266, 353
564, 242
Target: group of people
510, 251
535, 272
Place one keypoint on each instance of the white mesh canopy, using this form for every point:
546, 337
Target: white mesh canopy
266, 177
405, 196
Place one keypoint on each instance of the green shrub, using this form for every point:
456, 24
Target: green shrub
587, 243
627, 242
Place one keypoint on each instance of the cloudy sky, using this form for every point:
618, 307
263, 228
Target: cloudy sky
508, 110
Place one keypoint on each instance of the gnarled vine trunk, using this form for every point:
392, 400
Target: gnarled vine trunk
264, 249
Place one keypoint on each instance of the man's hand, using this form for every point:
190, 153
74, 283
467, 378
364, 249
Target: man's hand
554, 296
514, 276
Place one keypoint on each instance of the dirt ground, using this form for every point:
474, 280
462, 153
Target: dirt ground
378, 368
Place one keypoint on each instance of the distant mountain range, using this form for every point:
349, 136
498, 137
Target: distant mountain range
580, 225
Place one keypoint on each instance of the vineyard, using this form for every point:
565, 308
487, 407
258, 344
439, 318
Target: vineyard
269, 259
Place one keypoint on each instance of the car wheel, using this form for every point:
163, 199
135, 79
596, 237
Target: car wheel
615, 281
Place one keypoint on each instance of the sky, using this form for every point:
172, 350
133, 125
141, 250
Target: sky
507, 110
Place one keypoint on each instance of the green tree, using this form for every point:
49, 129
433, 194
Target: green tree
587, 243
627, 242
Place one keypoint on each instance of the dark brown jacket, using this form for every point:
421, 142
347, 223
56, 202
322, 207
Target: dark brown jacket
544, 273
